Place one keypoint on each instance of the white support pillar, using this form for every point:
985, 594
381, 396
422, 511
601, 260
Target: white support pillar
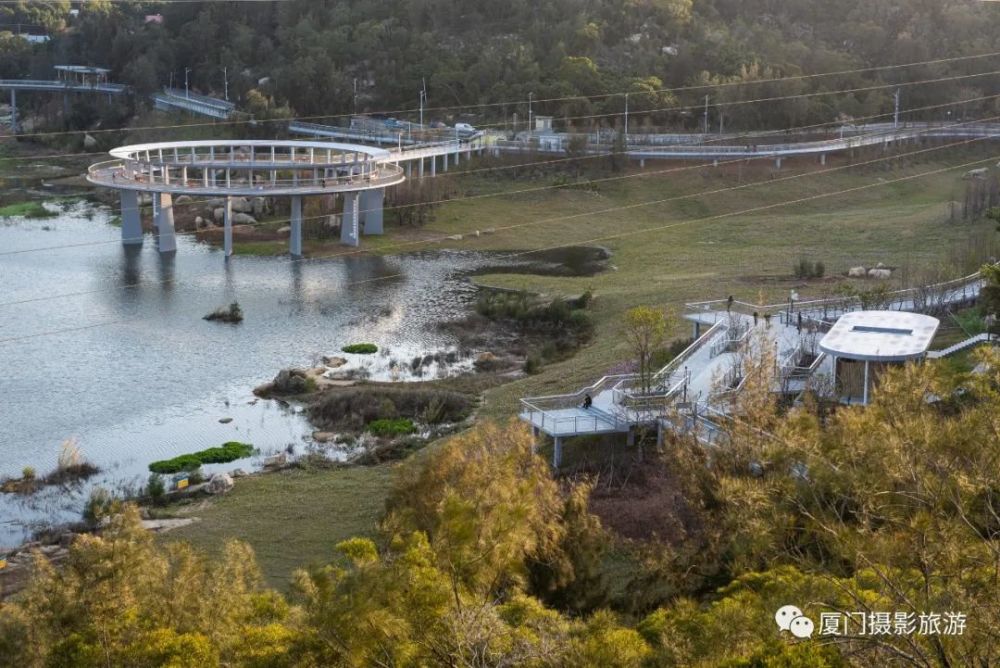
557, 451
822, 158
777, 162
372, 204
349, 221
420, 169
434, 166
864, 394
166, 238
446, 162
458, 157
295, 240
131, 222
227, 232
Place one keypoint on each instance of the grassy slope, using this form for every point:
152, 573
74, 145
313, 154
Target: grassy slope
294, 519
686, 258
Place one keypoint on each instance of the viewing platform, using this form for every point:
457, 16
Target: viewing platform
254, 168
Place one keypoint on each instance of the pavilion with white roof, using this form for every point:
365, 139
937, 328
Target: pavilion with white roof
863, 344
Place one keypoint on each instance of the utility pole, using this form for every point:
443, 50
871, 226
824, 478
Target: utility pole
423, 100
895, 116
706, 115
187, 94
530, 129
626, 119
225, 79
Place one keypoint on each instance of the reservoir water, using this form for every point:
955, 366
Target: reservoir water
107, 344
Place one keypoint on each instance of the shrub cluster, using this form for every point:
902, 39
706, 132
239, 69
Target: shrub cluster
356, 409
807, 269
227, 452
361, 349
231, 314
563, 324
391, 427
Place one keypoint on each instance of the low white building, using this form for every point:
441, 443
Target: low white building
863, 344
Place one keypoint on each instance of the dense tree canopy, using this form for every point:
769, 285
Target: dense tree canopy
310, 55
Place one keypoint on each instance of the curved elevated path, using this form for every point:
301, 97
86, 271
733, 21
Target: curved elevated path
720, 147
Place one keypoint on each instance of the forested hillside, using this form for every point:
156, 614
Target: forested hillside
308, 54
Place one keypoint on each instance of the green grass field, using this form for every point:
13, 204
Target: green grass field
664, 255
692, 249
292, 519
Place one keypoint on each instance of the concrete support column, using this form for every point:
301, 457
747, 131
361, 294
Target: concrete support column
372, 202
557, 451
131, 222
630, 438
420, 168
446, 162
227, 232
697, 331
295, 240
777, 163
659, 433
434, 166
642, 163
864, 395
822, 158
166, 238
409, 169
458, 157
349, 221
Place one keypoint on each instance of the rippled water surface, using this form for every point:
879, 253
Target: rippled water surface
107, 344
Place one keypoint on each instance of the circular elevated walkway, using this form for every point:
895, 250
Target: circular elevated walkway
247, 168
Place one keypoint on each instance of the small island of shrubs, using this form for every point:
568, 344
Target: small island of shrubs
361, 349
232, 314
227, 452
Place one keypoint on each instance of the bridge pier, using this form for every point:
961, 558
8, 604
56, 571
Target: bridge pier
420, 170
777, 163
295, 239
434, 164
166, 238
822, 159
557, 452
131, 220
349, 220
227, 232
446, 162
372, 205
642, 163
